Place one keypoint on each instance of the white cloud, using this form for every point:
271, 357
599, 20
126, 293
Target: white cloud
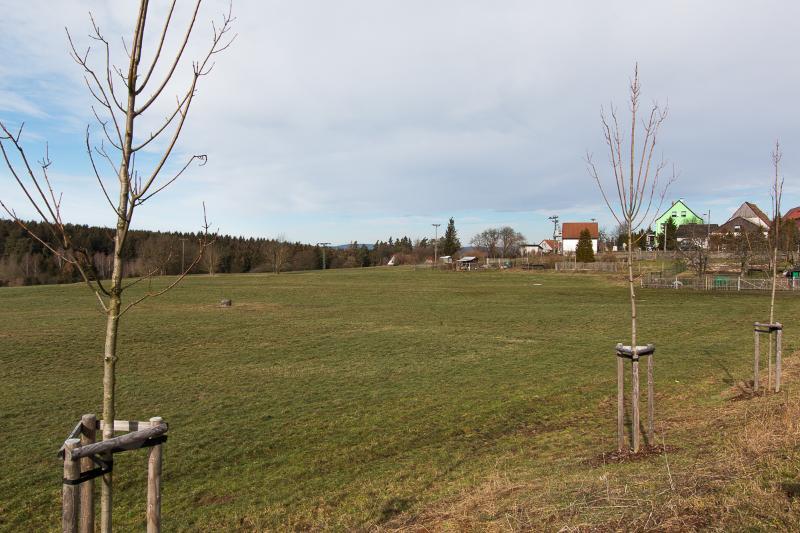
323, 109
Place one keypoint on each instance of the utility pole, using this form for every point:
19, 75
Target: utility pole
554, 219
183, 254
323, 244
436, 245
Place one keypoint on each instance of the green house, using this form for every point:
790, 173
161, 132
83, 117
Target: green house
680, 213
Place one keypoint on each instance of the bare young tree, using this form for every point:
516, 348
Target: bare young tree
694, 250
123, 97
777, 193
637, 202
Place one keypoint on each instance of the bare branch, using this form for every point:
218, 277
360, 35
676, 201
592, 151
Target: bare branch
175, 62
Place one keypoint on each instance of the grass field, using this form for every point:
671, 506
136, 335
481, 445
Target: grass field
356, 399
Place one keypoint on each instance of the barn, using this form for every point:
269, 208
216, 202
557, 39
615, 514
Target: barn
571, 233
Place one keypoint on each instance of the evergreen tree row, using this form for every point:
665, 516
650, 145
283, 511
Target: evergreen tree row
26, 261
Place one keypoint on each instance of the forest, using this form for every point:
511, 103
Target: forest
26, 261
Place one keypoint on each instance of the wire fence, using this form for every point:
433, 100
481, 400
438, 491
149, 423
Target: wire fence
719, 283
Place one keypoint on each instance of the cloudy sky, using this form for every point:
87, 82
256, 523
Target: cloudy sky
357, 120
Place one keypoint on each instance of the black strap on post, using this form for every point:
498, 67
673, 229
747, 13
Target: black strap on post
104, 468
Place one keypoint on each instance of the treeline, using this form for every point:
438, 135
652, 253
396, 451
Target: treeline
26, 261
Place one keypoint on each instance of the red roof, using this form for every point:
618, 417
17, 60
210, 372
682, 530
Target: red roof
551, 243
792, 214
572, 230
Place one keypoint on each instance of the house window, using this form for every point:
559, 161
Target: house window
674, 214
683, 214
737, 228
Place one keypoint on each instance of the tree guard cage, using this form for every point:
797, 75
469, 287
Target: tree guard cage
759, 329
85, 459
625, 352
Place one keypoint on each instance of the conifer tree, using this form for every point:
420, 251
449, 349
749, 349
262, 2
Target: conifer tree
451, 244
584, 253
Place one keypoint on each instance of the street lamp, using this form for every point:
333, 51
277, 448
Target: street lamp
436, 245
323, 244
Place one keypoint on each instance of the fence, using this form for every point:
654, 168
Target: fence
719, 283
598, 266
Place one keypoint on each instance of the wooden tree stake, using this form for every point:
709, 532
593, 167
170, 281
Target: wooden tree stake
88, 433
635, 401
69, 494
778, 354
620, 404
757, 355
154, 485
651, 402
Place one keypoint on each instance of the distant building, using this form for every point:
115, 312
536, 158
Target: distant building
467, 263
750, 212
695, 234
739, 225
680, 213
549, 246
793, 214
526, 249
571, 234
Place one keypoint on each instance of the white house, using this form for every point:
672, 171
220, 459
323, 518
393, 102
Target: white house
526, 249
571, 233
549, 246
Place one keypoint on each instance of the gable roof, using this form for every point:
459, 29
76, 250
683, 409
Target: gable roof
745, 225
792, 214
683, 206
695, 231
572, 230
751, 212
550, 242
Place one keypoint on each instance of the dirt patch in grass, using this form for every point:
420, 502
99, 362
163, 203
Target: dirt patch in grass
623, 456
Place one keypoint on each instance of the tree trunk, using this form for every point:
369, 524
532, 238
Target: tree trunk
635, 364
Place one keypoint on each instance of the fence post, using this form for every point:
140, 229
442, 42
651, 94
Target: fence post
756, 357
778, 352
69, 492
88, 435
739, 283
154, 485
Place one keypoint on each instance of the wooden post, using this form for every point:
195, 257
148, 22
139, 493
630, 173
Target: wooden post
769, 360
651, 402
635, 400
88, 433
69, 493
154, 485
620, 404
757, 355
778, 350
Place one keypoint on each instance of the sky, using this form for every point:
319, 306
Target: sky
359, 120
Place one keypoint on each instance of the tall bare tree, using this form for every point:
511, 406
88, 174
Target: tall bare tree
777, 193
123, 96
637, 202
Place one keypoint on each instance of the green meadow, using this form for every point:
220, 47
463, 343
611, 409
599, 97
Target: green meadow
399, 399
